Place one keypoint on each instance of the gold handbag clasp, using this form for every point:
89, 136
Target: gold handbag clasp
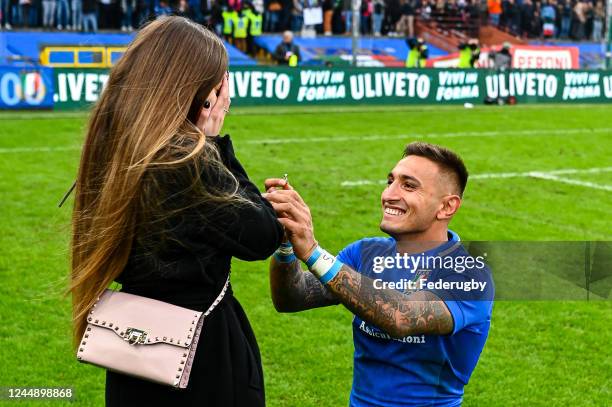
135, 336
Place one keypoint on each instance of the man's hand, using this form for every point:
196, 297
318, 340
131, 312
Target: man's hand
293, 214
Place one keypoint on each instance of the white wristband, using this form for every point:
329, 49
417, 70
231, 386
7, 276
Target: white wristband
323, 265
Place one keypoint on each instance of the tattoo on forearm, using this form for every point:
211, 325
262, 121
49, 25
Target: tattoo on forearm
295, 290
396, 313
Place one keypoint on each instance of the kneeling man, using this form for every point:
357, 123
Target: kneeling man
422, 305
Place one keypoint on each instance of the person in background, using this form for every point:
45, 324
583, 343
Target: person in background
426, 9
495, 9
469, 52
417, 53
258, 6
579, 19
328, 13
229, 17
48, 12
5, 12
163, 9
200, 8
63, 14
240, 33
392, 15
367, 8
106, 14
24, 12
127, 8
536, 26
502, 59
599, 16
297, 15
338, 24
255, 28
405, 25
287, 52
14, 13
23, 8
185, 10
284, 17
527, 18
145, 11
272, 15
77, 14
35, 11
378, 13
347, 14
565, 12
588, 24
216, 17
90, 20
513, 17
549, 16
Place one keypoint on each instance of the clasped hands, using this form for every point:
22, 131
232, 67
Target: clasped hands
293, 214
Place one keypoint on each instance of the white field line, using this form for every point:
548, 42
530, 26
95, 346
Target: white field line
547, 175
572, 181
537, 132
328, 139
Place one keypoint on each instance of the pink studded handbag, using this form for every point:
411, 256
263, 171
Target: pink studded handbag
143, 337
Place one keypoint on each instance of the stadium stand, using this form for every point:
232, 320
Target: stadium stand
62, 49
337, 50
566, 19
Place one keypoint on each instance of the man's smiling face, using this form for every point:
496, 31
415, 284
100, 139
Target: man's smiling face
413, 197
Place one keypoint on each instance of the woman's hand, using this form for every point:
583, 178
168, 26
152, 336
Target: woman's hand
211, 118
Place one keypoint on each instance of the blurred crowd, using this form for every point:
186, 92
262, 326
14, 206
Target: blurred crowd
575, 19
568, 19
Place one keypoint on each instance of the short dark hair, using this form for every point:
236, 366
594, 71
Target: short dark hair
445, 158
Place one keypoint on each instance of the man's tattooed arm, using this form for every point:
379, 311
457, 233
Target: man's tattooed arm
295, 290
396, 313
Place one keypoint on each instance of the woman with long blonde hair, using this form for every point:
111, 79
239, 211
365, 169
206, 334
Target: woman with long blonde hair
162, 205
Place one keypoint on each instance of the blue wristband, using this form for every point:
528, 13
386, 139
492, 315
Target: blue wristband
333, 271
285, 258
314, 256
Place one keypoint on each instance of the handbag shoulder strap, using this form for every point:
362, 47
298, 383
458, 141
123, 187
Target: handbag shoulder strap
219, 297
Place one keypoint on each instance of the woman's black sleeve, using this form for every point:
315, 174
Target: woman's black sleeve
248, 232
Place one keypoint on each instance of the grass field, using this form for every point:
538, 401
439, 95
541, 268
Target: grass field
539, 353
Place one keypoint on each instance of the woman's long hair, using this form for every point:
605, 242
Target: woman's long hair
143, 123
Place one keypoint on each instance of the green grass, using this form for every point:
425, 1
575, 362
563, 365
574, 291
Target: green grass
550, 353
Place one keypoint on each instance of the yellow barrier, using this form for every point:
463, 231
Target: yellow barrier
101, 57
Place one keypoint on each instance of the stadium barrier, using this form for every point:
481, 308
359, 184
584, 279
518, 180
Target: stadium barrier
69, 88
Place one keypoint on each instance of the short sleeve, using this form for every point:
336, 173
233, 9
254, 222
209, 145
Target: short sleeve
467, 307
351, 255
466, 313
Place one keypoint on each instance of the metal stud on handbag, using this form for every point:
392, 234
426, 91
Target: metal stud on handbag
143, 337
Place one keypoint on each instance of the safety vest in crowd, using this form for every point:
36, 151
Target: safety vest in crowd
228, 21
255, 28
415, 59
465, 58
240, 23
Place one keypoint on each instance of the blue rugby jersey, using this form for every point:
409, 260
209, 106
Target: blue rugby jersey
420, 370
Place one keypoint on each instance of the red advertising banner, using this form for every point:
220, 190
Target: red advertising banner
523, 57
